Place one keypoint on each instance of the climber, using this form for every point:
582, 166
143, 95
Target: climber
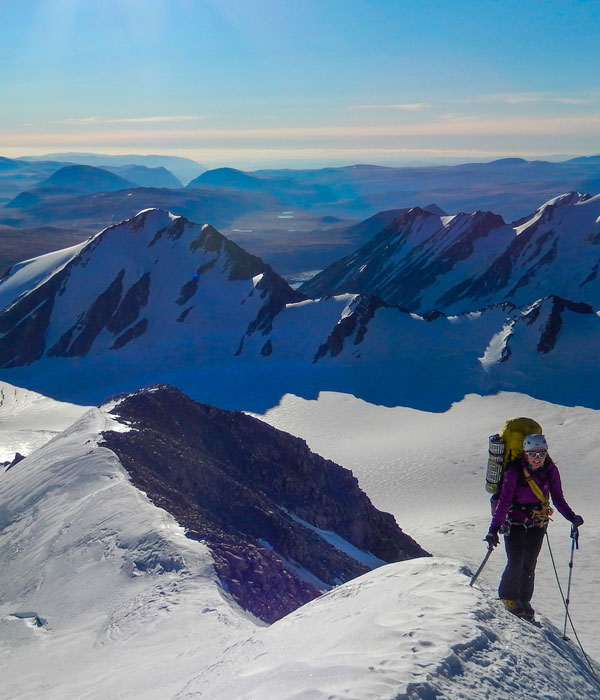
521, 515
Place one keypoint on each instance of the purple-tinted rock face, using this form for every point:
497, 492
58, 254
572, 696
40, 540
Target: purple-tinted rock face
256, 496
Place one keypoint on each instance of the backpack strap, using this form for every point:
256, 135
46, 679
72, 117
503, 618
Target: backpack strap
537, 491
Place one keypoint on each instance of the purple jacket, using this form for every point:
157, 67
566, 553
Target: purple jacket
515, 490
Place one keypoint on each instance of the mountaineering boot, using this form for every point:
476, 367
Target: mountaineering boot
514, 607
528, 611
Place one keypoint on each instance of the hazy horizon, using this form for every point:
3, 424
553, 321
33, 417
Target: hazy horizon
292, 164
267, 83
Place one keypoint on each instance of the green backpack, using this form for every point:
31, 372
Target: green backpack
505, 447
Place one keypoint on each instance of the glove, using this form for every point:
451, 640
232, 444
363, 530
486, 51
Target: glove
577, 520
492, 537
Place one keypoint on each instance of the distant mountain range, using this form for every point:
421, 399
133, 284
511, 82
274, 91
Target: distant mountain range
68, 181
184, 169
157, 298
82, 207
511, 187
298, 220
428, 262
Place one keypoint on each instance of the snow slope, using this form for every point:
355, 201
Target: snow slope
428, 470
104, 597
28, 420
102, 594
405, 631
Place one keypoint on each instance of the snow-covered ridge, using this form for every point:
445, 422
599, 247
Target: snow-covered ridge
146, 275
103, 595
159, 299
99, 565
474, 260
413, 631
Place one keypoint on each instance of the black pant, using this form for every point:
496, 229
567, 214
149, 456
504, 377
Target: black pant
522, 548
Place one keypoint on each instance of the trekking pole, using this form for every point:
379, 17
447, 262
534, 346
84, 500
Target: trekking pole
574, 546
483, 563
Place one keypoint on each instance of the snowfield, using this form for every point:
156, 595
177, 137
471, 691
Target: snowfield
28, 420
103, 597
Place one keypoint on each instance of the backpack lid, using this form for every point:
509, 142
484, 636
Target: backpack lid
513, 433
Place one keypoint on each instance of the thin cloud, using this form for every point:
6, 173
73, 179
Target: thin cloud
533, 98
134, 120
400, 107
451, 125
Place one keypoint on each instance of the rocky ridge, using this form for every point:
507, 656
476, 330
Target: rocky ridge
282, 523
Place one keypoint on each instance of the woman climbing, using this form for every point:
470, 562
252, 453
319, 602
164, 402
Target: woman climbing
521, 514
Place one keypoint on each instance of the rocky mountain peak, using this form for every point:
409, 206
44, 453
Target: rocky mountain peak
470, 261
137, 279
271, 511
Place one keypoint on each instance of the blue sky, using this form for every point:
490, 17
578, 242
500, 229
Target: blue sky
253, 83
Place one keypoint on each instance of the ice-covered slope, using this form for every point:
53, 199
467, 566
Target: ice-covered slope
465, 262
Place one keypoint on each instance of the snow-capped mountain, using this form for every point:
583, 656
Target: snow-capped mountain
426, 262
156, 278
159, 299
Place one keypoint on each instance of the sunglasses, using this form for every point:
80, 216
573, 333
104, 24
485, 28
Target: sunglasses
537, 455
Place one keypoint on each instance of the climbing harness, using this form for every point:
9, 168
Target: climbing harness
574, 545
541, 514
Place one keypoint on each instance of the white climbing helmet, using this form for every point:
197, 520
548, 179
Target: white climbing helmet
535, 442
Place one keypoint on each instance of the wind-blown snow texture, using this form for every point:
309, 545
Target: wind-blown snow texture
104, 597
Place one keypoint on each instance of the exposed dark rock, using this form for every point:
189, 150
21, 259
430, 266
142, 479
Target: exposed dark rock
187, 291
357, 321
277, 293
390, 267
157, 236
130, 334
90, 325
25, 342
129, 309
592, 276
17, 458
255, 495
177, 228
433, 315
554, 323
182, 316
